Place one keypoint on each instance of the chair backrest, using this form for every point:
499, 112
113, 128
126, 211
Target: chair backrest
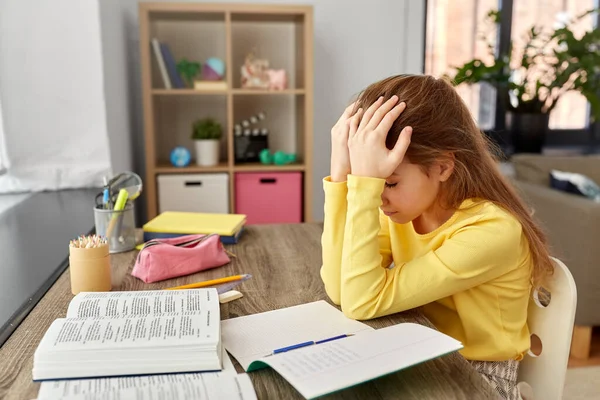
553, 325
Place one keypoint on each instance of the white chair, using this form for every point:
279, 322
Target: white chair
545, 374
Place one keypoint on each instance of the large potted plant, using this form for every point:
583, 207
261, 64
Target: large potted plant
550, 63
206, 134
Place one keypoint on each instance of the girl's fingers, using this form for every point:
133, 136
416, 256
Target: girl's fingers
382, 112
354, 122
402, 144
370, 111
347, 113
389, 118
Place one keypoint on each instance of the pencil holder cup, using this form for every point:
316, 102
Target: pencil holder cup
118, 227
89, 269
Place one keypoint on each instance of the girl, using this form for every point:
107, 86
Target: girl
418, 214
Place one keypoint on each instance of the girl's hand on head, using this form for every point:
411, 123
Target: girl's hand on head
368, 154
340, 158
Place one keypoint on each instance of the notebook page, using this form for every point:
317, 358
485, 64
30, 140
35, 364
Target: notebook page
148, 302
251, 337
206, 386
324, 368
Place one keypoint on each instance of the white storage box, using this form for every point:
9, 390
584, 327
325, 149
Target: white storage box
207, 193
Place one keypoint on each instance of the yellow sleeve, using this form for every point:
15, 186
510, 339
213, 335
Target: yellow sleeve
471, 256
333, 236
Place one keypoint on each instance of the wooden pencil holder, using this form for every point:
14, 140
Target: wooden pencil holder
90, 269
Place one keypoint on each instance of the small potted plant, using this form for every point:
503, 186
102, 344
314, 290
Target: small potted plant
206, 134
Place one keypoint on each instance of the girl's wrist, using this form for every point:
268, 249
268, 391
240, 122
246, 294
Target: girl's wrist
339, 176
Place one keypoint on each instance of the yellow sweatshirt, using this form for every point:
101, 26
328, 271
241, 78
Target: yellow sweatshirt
472, 274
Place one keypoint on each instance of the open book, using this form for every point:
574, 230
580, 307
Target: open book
223, 385
339, 361
133, 333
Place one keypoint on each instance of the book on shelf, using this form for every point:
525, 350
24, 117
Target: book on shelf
210, 85
318, 350
107, 334
161, 63
170, 224
171, 65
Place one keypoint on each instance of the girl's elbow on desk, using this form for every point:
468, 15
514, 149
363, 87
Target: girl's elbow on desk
358, 310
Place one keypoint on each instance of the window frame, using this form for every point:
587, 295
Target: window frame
588, 137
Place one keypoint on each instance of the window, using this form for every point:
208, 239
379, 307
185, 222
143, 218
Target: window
571, 112
454, 28
453, 36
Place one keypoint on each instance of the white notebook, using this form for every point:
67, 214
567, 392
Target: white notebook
109, 334
319, 369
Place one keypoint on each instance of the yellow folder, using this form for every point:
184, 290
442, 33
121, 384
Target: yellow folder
196, 223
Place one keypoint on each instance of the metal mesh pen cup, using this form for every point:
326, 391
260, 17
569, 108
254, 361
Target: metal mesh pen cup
118, 227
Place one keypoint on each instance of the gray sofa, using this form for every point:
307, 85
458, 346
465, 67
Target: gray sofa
572, 223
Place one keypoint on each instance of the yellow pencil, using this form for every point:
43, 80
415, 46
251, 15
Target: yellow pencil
211, 282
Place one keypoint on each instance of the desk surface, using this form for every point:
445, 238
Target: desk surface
34, 235
284, 261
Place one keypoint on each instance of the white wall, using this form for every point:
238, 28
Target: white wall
117, 64
51, 83
354, 45
60, 87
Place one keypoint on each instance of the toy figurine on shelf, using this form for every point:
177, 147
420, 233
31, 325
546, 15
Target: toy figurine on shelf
213, 75
277, 79
250, 138
180, 156
254, 73
213, 69
279, 158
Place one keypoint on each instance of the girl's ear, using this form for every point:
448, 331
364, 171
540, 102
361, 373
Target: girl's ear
446, 167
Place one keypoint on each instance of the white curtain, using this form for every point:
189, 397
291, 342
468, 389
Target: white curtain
52, 82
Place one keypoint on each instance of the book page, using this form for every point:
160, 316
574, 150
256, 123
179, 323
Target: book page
74, 334
254, 336
324, 368
147, 302
205, 386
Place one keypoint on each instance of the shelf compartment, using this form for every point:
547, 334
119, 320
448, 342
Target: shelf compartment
279, 38
284, 125
174, 117
195, 36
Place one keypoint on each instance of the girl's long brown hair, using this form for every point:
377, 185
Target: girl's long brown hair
442, 125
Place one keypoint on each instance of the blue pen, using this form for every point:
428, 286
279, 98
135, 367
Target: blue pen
309, 343
332, 338
293, 347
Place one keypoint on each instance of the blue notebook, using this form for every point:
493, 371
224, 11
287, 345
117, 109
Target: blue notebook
171, 65
232, 239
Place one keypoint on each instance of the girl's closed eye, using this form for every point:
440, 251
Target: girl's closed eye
390, 185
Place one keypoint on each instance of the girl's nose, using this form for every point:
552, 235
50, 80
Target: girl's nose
384, 200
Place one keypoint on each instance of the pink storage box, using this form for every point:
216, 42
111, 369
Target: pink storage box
269, 198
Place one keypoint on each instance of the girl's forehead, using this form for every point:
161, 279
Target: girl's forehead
403, 167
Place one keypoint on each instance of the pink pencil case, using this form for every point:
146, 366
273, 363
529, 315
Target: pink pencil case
168, 258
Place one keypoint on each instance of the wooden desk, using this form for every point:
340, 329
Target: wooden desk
284, 261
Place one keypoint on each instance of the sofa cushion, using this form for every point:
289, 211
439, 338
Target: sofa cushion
575, 183
535, 168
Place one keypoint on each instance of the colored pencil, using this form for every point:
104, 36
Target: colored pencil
212, 282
